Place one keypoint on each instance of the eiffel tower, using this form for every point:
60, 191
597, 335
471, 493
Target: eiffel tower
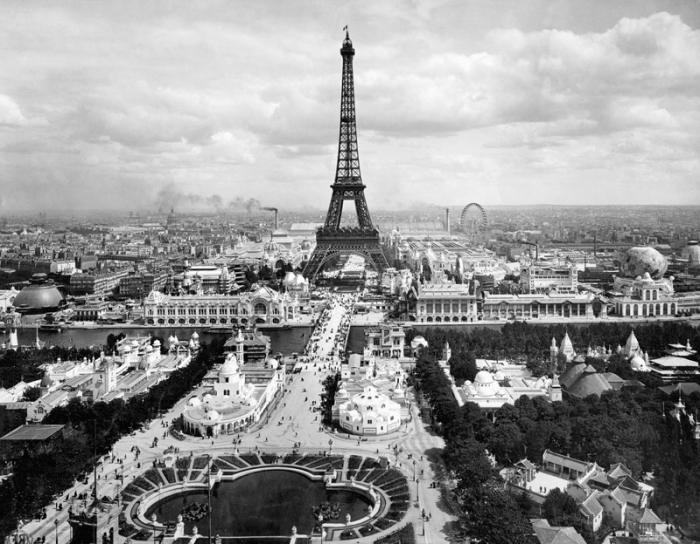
332, 239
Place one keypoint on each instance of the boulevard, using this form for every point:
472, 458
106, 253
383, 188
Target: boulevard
293, 422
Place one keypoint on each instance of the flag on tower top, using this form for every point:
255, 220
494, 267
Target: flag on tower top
345, 27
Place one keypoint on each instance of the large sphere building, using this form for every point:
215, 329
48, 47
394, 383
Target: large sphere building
640, 260
642, 289
40, 296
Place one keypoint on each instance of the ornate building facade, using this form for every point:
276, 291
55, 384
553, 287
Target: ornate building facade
263, 305
445, 302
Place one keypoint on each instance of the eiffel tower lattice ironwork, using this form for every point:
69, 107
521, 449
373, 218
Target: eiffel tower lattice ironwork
332, 239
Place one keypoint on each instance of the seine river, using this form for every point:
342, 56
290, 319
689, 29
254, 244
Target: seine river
285, 341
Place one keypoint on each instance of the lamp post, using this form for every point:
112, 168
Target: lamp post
414, 471
320, 521
209, 493
153, 520
55, 523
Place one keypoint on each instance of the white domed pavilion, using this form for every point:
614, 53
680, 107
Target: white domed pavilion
368, 412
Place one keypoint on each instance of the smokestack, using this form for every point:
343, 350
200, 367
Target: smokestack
447, 220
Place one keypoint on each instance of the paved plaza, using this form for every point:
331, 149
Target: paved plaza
294, 420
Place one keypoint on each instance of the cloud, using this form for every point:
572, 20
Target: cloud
455, 100
10, 114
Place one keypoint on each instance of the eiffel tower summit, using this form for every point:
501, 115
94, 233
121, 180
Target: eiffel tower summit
332, 239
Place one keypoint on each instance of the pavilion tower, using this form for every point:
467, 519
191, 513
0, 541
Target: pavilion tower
332, 239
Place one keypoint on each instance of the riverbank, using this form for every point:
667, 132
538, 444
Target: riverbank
694, 320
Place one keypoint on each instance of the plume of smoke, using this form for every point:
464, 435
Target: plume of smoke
169, 197
240, 205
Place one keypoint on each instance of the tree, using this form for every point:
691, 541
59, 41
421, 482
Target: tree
31, 394
560, 509
463, 367
467, 458
250, 276
492, 516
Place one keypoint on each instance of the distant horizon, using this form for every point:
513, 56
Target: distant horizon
436, 208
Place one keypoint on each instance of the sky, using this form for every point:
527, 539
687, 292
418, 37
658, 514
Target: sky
138, 105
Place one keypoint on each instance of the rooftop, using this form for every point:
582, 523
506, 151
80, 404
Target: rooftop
669, 361
32, 432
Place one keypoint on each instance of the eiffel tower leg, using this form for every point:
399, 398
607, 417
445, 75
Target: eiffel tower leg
335, 211
362, 210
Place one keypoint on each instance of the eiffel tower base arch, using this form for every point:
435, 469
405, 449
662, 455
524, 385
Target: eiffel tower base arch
328, 248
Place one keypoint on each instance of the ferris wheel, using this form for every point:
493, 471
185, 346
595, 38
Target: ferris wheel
473, 220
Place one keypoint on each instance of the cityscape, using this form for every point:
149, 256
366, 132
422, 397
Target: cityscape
470, 315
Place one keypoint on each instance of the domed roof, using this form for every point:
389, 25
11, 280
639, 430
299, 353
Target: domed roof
589, 384
638, 260
637, 362
230, 366
692, 253
419, 341
498, 376
195, 336
289, 278
156, 343
483, 376
40, 296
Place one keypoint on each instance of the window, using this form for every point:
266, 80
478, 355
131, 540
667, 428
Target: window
369, 422
226, 379
226, 391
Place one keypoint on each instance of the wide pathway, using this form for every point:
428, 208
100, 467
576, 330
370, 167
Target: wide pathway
293, 421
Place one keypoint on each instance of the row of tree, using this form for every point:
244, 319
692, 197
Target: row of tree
632, 426
490, 513
39, 475
525, 342
23, 364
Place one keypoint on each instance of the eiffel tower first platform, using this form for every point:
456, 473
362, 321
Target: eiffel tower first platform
332, 239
